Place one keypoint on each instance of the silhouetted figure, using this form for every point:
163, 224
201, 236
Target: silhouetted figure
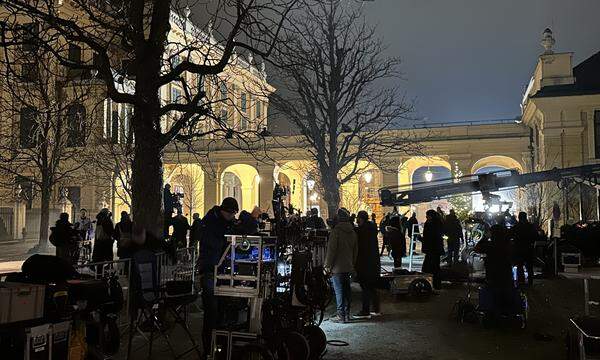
215, 224
65, 239
168, 205
383, 229
368, 265
195, 230
396, 240
314, 221
524, 235
433, 246
103, 237
248, 223
180, 229
84, 225
123, 231
453, 230
411, 222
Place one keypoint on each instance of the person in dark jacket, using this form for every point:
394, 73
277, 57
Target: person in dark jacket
314, 221
123, 236
411, 222
396, 240
65, 238
498, 267
383, 228
524, 236
180, 230
433, 246
215, 225
169, 208
195, 230
367, 264
248, 223
453, 230
103, 237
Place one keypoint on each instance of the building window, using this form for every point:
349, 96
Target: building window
29, 72
76, 125
111, 121
224, 117
200, 84
244, 123
30, 37
597, 133
258, 110
176, 95
223, 90
175, 61
75, 54
243, 103
28, 119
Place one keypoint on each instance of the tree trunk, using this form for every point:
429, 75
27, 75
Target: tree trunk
45, 216
331, 190
147, 174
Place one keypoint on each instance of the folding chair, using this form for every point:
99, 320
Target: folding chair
149, 298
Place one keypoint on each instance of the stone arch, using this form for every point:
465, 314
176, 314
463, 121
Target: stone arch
493, 164
407, 169
501, 161
243, 180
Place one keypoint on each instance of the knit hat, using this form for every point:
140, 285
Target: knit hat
230, 205
343, 215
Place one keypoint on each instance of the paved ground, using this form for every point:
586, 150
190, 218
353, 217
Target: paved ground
424, 330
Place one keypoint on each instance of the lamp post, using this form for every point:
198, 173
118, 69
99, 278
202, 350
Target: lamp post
428, 175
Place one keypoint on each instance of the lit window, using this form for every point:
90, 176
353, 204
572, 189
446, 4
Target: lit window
243, 103
28, 124
258, 110
176, 95
223, 89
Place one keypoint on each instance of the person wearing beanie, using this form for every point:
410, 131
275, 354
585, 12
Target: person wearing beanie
217, 222
342, 251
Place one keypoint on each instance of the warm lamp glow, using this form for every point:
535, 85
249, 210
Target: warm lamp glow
428, 175
314, 197
311, 184
368, 177
257, 179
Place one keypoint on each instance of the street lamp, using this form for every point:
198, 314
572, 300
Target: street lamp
368, 177
428, 175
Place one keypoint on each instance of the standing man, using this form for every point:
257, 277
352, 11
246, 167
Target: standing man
195, 230
433, 246
180, 230
367, 264
84, 225
314, 221
524, 235
410, 224
216, 224
453, 230
342, 250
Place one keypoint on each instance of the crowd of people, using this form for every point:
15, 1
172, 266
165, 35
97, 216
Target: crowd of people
353, 251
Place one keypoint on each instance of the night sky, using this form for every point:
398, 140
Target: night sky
471, 59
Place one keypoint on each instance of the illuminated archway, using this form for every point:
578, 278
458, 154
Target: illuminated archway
241, 181
495, 164
413, 171
299, 174
361, 191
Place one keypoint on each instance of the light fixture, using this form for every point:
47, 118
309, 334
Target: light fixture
368, 177
311, 184
428, 175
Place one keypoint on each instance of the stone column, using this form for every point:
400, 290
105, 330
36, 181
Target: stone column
265, 186
212, 187
389, 178
461, 164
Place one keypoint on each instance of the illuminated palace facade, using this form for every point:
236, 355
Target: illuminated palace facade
559, 127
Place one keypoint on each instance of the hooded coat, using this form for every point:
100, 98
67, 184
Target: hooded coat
342, 249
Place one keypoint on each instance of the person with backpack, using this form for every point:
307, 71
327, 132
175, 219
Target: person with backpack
64, 238
123, 231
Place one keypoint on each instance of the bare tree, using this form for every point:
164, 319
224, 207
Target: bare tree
135, 59
43, 145
336, 90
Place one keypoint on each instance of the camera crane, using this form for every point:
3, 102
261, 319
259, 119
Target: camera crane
421, 192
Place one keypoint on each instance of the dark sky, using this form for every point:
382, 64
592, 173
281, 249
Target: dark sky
470, 59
